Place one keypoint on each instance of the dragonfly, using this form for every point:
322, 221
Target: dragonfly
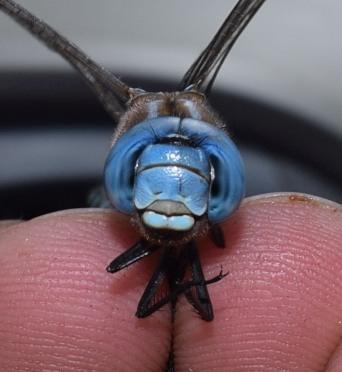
172, 165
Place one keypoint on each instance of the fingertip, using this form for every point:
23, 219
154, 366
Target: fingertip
4, 224
282, 301
60, 299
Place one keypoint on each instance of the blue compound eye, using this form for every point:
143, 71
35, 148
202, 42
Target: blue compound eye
119, 178
228, 186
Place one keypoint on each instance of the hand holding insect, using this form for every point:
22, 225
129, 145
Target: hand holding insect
172, 166
167, 145
280, 305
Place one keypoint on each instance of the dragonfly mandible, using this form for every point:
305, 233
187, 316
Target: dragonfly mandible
172, 166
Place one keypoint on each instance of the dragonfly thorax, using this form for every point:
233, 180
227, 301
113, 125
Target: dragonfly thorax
185, 104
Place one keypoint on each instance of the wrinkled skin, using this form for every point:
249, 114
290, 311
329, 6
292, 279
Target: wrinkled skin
280, 308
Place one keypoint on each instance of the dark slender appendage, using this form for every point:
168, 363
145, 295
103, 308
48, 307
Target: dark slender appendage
217, 236
173, 270
146, 304
198, 296
133, 254
202, 73
110, 90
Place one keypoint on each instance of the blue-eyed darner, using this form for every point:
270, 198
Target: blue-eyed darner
172, 165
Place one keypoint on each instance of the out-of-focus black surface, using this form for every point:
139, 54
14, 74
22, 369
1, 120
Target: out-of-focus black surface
54, 136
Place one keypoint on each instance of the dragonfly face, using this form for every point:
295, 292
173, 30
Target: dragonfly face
175, 170
172, 165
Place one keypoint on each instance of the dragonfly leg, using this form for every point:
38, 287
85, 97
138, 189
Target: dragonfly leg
181, 288
198, 295
217, 236
170, 271
147, 304
133, 254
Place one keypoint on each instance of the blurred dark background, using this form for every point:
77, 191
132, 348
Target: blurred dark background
55, 136
282, 109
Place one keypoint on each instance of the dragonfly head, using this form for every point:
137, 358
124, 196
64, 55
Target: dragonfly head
175, 177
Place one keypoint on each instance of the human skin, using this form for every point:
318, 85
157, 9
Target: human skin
279, 309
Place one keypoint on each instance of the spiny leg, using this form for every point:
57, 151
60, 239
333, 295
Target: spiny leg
198, 295
147, 305
217, 236
133, 254
181, 288
170, 272
172, 267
